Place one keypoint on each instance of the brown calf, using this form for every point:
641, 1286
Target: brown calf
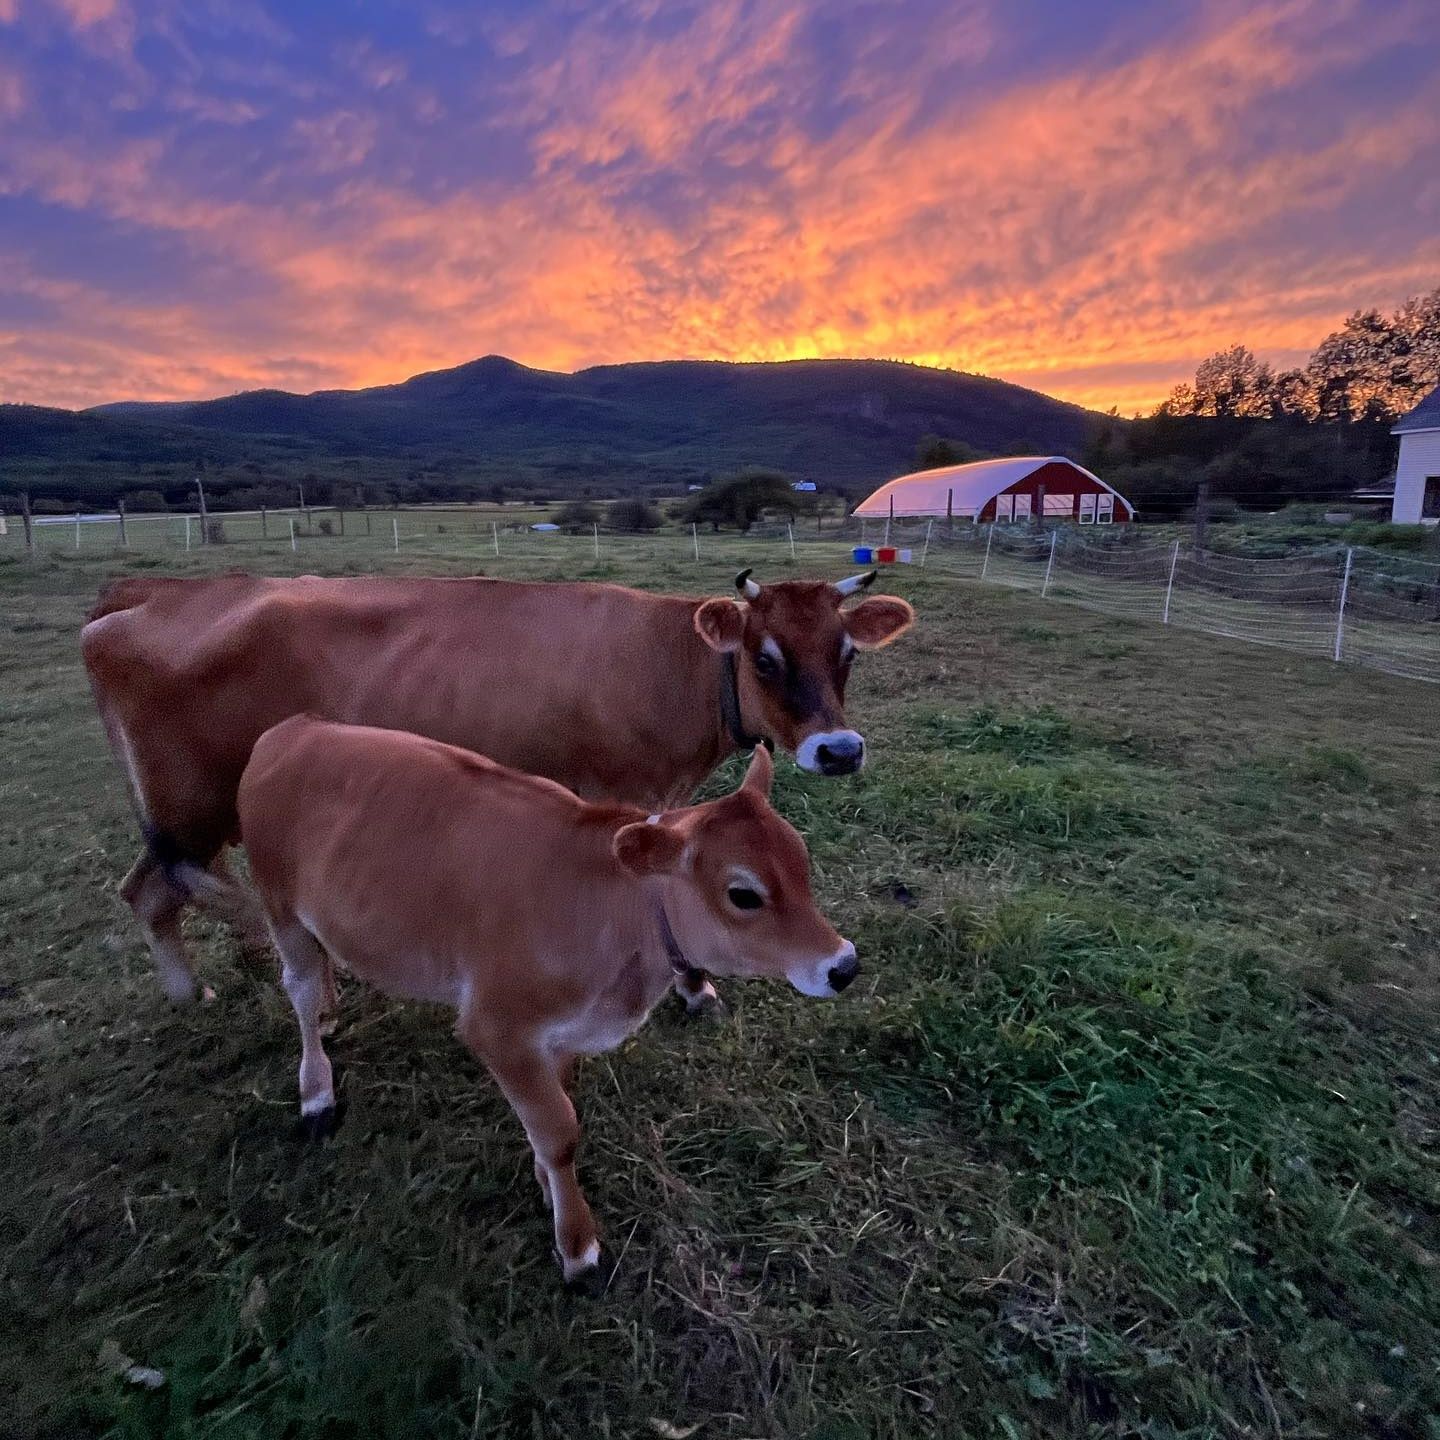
552, 926
617, 694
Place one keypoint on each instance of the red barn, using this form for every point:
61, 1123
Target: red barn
1004, 490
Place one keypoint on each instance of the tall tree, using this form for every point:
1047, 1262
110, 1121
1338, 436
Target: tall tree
1230, 382
742, 499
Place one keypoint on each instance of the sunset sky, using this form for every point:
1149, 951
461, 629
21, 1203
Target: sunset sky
198, 197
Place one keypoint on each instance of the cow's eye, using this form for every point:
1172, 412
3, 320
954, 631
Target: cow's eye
766, 664
742, 897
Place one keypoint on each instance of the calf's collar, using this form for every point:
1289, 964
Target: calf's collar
678, 963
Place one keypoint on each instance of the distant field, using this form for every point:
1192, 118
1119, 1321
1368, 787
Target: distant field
1129, 1128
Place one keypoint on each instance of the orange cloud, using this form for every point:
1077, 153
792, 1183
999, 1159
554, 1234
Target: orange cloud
1090, 232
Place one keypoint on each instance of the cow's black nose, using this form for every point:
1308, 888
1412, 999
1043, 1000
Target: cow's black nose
841, 975
840, 755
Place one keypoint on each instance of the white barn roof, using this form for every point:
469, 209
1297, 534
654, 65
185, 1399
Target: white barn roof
926, 491
1425, 416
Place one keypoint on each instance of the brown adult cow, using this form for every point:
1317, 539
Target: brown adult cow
617, 694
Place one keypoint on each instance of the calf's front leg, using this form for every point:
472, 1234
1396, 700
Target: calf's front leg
530, 1080
306, 976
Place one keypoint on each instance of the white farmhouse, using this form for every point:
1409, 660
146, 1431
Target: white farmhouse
1417, 475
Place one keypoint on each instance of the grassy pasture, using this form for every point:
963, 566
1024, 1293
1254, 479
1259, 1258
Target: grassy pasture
1129, 1129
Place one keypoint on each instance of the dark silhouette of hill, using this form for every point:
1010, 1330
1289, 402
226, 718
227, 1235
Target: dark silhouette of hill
848, 423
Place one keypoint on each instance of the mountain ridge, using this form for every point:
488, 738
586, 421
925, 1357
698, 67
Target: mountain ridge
643, 425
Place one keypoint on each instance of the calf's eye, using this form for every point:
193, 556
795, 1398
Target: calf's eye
742, 897
765, 663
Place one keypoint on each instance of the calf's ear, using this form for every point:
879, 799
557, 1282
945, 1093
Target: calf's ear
720, 624
876, 622
760, 773
647, 848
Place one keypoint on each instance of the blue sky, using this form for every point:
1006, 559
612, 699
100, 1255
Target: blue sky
204, 197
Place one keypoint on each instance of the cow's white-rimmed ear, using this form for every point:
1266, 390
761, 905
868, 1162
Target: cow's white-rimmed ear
647, 848
760, 773
876, 622
720, 624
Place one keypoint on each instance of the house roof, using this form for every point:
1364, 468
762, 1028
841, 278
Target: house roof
927, 492
1425, 416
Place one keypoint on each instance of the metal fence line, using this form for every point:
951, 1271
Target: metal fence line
1391, 602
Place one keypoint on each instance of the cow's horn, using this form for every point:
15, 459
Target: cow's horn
746, 586
856, 582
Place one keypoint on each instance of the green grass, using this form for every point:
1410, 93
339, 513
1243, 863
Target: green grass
1127, 1130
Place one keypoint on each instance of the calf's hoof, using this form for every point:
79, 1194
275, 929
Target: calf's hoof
583, 1276
319, 1125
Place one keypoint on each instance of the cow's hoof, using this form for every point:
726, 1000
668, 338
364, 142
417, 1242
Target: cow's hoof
319, 1124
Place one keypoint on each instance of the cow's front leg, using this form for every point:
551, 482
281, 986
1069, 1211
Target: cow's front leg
694, 988
531, 1082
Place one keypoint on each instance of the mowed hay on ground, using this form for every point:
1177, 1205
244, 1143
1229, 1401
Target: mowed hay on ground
1129, 1127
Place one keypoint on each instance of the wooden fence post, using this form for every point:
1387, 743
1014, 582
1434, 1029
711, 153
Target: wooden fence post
264, 524
1202, 512
124, 535
25, 519
950, 513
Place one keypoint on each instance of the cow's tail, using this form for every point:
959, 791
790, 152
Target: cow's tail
185, 871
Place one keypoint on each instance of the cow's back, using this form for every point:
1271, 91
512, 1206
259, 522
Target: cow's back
574, 682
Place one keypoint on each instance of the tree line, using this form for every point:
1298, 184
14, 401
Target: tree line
1263, 437
1375, 368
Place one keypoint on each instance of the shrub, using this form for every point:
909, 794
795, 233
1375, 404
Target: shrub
633, 514
577, 516
144, 500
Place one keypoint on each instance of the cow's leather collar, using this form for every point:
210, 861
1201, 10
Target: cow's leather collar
730, 707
